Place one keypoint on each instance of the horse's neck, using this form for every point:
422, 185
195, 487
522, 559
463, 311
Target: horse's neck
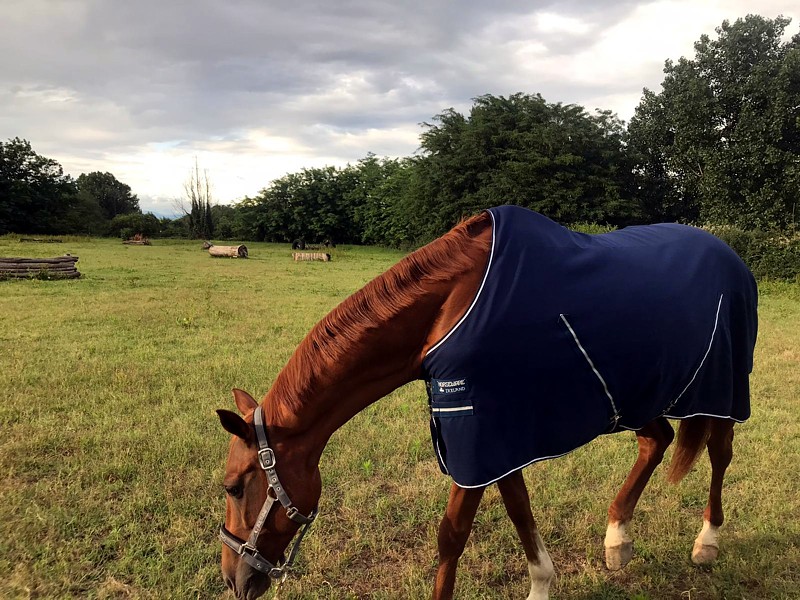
388, 355
383, 359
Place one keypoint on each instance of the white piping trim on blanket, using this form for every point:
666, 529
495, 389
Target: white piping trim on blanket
677, 418
541, 458
591, 364
730, 418
453, 408
477, 295
438, 452
700, 366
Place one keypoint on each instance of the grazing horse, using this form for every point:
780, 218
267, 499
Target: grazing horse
532, 340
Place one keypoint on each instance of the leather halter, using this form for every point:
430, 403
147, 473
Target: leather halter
248, 550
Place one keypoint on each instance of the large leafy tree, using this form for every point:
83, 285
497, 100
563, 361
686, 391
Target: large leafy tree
313, 204
721, 141
377, 199
35, 194
554, 158
113, 196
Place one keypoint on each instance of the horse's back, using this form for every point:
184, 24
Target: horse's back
572, 333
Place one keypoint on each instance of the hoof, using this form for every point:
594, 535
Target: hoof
703, 554
619, 556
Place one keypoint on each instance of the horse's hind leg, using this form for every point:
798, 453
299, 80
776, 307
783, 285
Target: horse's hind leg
720, 451
518, 507
654, 439
454, 532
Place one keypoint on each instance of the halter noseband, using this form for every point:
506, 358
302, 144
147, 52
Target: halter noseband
248, 550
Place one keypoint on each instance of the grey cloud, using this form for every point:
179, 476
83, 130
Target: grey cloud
154, 71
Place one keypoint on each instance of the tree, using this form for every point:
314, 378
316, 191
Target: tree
35, 194
314, 204
113, 196
553, 158
377, 201
721, 141
198, 192
127, 225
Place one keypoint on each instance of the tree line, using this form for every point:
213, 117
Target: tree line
718, 144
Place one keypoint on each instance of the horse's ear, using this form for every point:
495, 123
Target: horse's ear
233, 424
244, 401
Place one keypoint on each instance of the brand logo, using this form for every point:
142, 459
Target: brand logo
450, 386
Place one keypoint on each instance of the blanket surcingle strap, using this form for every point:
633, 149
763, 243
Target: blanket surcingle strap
573, 335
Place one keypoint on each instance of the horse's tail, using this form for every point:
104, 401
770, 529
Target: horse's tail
693, 436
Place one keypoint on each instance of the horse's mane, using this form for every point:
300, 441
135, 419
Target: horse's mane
374, 304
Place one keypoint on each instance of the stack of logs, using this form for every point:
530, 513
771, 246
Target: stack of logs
60, 267
323, 256
137, 240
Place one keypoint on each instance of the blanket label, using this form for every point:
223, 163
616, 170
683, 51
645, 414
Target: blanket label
446, 387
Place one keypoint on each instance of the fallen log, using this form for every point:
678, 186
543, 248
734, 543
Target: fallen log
58, 259
229, 251
311, 256
41, 274
40, 240
28, 267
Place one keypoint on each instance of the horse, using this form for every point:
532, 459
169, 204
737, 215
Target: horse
532, 341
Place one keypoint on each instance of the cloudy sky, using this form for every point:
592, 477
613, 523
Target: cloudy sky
258, 88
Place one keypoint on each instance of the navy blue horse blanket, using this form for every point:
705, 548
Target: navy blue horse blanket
573, 335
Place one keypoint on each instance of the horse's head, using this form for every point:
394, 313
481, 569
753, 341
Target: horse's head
271, 491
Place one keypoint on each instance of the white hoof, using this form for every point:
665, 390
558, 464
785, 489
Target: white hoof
703, 554
706, 546
619, 556
619, 546
540, 591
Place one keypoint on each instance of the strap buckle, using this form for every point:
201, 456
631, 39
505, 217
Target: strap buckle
298, 517
266, 458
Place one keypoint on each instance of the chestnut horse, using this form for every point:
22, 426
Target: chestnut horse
372, 343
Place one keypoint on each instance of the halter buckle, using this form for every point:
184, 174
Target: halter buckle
266, 458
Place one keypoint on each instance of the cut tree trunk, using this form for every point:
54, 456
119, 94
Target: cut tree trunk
229, 251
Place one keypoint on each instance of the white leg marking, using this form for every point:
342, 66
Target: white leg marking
617, 534
619, 546
706, 546
541, 572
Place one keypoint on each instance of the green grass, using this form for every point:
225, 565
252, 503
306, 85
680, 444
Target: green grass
111, 455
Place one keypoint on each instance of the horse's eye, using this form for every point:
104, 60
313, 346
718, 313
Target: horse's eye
233, 490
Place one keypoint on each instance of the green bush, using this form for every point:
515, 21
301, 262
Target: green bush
769, 255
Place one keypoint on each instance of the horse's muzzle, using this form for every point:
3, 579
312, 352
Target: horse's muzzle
248, 583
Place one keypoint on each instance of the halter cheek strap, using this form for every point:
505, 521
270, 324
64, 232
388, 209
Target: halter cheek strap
248, 550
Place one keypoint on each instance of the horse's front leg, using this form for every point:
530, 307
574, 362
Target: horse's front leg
518, 507
454, 532
654, 439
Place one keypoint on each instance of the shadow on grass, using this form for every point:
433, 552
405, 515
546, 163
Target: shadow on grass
761, 566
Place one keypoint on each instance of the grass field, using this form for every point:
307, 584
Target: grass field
111, 455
